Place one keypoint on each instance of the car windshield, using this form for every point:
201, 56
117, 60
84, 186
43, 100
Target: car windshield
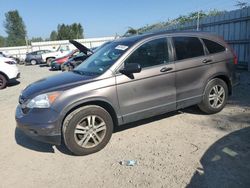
103, 59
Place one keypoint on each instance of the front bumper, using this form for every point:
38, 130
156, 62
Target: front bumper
40, 124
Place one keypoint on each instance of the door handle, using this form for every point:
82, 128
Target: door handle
165, 69
207, 60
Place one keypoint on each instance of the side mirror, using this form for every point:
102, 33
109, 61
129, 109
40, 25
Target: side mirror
131, 68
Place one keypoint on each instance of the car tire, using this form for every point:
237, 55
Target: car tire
33, 62
87, 130
3, 81
49, 60
215, 97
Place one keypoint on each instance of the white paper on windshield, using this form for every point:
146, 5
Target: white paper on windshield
121, 47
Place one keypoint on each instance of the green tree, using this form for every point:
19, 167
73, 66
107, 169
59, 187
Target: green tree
131, 31
67, 32
15, 28
241, 4
2, 41
53, 36
80, 32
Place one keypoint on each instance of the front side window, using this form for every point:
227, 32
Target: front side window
213, 47
150, 54
39, 53
187, 47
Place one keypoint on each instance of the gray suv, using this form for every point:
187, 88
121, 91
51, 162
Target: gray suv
128, 80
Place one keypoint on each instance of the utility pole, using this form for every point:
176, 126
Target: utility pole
198, 21
27, 43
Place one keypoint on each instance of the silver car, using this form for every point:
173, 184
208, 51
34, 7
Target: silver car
128, 80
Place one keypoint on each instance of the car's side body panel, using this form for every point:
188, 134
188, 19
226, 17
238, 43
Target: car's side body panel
140, 95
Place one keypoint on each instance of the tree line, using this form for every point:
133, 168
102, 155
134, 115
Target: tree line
17, 34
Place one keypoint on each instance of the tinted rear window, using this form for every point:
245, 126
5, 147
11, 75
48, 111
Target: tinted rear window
188, 47
213, 47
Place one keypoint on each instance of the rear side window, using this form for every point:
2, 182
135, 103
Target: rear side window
188, 47
213, 47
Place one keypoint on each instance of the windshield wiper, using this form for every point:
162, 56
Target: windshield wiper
78, 72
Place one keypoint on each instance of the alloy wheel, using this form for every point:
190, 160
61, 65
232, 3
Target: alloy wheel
90, 131
216, 96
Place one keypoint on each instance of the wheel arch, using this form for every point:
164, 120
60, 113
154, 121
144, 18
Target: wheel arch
5, 75
50, 57
102, 103
223, 77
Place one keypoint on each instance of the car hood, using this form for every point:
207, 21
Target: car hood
81, 47
60, 82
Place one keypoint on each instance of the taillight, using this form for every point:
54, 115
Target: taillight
10, 62
235, 59
235, 56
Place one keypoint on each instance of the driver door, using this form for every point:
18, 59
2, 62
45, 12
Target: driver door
152, 91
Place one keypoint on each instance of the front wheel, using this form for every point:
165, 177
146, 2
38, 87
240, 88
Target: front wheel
215, 97
3, 81
87, 130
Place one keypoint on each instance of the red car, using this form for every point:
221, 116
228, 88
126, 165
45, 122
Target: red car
56, 63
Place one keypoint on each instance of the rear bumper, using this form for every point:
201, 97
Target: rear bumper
236, 79
41, 126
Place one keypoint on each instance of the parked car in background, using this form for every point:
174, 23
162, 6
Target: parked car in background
3, 54
75, 61
35, 57
8, 71
56, 63
17, 60
127, 80
61, 51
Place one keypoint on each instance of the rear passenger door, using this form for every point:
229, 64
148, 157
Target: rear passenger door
191, 69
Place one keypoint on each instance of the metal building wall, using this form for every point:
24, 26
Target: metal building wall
233, 26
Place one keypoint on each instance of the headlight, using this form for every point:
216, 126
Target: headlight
43, 100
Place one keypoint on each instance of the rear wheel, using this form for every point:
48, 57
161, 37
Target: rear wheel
3, 81
33, 62
215, 97
87, 130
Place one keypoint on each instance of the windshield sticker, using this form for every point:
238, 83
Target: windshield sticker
121, 47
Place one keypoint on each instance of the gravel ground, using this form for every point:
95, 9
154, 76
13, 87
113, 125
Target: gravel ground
179, 149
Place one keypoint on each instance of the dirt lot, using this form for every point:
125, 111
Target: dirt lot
179, 149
